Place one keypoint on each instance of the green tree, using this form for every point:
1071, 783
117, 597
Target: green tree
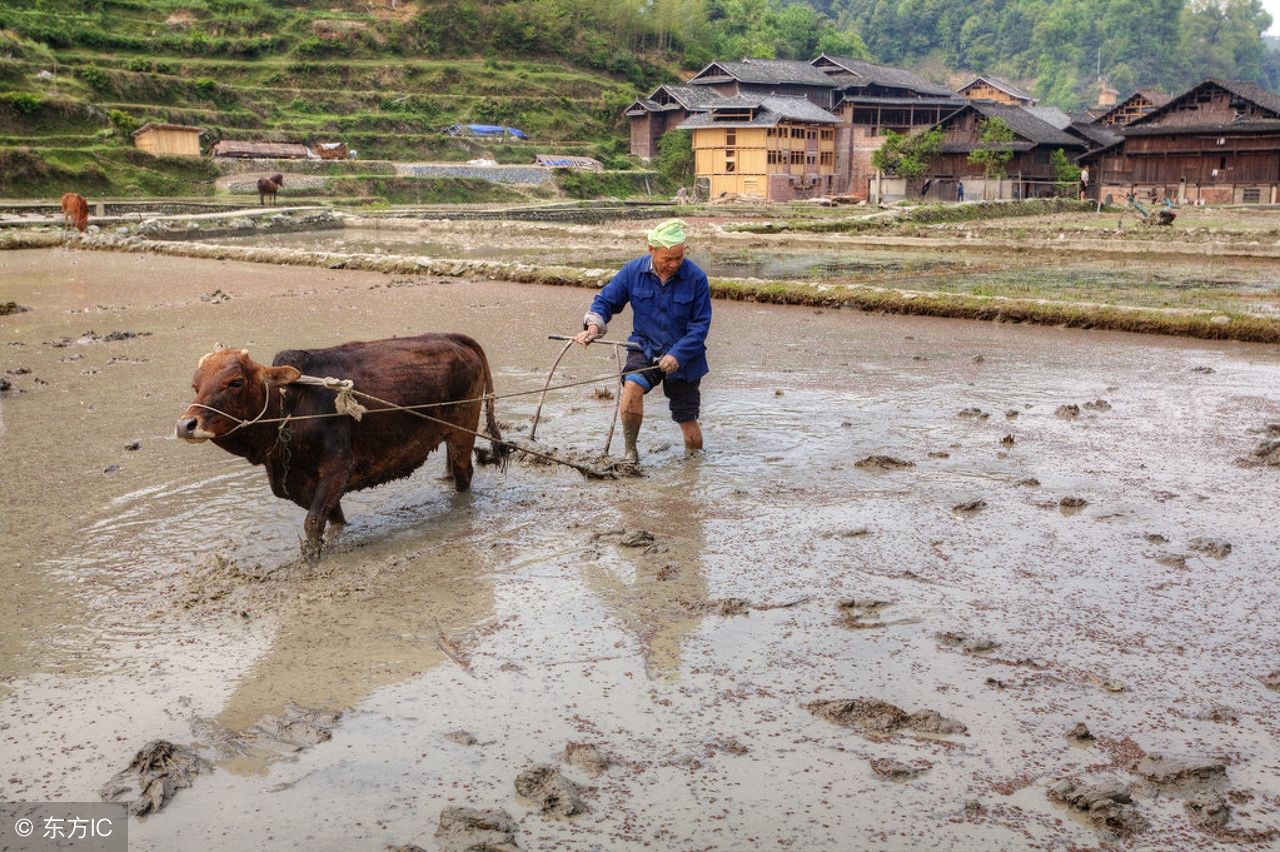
1067, 173
908, 155
993, 151
675, 157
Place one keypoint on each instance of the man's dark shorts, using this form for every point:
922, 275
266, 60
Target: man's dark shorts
684, 398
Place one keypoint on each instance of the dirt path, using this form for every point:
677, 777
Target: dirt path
788, 661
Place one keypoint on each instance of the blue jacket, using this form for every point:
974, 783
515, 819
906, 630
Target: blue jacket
671, 319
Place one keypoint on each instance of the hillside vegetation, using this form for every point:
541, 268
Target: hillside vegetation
385, 76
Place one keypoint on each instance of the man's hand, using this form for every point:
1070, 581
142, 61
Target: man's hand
668, 364
583, 338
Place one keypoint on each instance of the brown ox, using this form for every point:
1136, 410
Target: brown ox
269, 186
75, 211
313, 462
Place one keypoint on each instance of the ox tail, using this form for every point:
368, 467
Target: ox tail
499, 450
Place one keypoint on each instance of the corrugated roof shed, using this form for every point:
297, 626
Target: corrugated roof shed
565, 161
156, 126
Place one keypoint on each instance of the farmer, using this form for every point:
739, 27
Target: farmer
671, 313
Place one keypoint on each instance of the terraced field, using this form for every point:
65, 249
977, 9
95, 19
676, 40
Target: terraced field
76, 79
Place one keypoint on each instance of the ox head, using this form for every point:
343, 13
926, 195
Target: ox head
231, 383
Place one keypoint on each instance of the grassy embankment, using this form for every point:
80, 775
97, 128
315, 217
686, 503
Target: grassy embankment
75, 83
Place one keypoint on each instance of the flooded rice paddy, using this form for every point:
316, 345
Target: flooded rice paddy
1017, 565
955, 264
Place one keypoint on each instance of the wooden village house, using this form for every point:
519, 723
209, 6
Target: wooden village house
1217, 143
988, 88
775, 147
1028, 174
1135, 106
871, 99
168, 140
664, 110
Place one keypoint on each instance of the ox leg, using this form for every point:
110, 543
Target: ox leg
458, 447
326, 503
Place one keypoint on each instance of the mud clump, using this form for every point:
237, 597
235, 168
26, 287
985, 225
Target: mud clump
1007, 441
8, 308
1108, 805
967, 644
973, 507
1029, 482
973, 414
157, 772
883, 463
464, 738
463, 829
730, 607
857, 613
1180, 772
877, 717
1080, 734
294, 729
550, 792
1098, 405
1271, 680
1073, 502
1216, 548
1266, 453
1068, 412
896, 770
591, 759
636, 538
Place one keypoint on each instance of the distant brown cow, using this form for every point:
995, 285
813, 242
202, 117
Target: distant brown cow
269, 186
314, 462
75, 211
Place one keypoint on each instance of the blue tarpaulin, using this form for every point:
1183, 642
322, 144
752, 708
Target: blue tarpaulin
485, 130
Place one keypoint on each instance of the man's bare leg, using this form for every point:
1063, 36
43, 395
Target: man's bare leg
632, 416
692, 435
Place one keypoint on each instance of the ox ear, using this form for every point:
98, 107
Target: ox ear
285, 375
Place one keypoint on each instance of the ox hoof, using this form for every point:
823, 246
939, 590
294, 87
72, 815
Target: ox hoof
310, 550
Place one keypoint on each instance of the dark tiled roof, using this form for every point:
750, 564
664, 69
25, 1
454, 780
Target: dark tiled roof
1023, 123
1155, 97
966, 147
1097, 135
692, 98
1266, 125
1252, 92
768, 71
769, 111
865, 100
1051, 115
866, 73
1002, 85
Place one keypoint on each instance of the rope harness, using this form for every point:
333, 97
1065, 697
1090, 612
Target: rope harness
345, 405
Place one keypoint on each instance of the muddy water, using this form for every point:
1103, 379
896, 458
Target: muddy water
163, 599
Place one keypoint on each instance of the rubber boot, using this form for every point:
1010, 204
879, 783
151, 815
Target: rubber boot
630, 432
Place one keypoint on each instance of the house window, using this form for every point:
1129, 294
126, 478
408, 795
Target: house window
809, 159
1252, 195
828, 135
730, 160
731, 138
812, 134
1222, 164
797, 133
827, 158
797, 158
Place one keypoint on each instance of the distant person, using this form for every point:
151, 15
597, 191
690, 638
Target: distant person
959, 191
671, 315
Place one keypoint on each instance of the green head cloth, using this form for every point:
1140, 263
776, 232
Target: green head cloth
667, 234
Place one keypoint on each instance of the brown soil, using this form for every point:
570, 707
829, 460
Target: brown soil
877, 717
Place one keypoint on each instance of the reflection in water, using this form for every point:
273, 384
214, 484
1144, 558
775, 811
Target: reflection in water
335, 648
660, 598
